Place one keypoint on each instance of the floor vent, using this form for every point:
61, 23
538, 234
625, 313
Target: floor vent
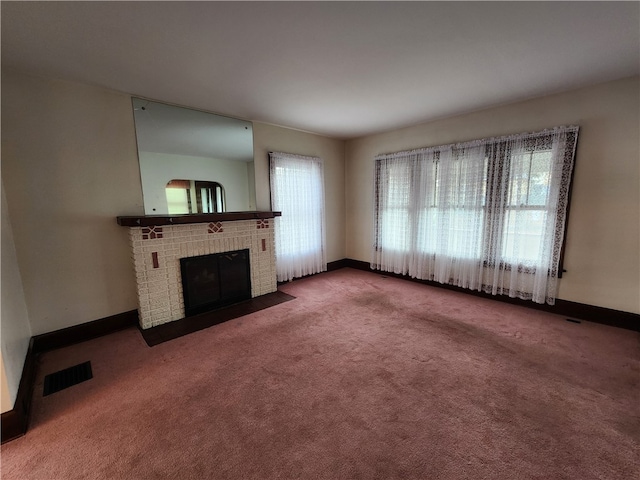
54, 382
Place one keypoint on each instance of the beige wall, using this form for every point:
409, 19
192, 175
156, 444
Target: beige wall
603, 250
70, 165
6, 402
270, 138
15, 331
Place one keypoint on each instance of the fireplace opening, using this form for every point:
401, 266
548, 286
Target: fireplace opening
211, 281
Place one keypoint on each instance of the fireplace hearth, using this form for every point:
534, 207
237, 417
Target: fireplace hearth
215, 280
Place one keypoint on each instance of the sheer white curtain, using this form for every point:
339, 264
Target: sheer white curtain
485, 215
297, 190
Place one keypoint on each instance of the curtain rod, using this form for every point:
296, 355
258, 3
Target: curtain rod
480, 141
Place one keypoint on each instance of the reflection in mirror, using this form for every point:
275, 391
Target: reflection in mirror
192, 196
177, 143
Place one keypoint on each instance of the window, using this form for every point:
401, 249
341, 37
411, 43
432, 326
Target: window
526, 208
193, 196
297, 190
396, 235
209, 197
487, 215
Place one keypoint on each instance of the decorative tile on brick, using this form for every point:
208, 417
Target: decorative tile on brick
158, 276
262, 223
216, 227
149, 233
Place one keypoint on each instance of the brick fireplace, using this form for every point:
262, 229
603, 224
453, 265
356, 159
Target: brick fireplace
158, 244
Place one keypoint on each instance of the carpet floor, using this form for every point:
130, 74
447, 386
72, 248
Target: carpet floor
360, 377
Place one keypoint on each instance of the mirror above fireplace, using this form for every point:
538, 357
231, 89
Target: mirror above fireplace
182, 143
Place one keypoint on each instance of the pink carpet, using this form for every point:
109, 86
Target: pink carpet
359, 377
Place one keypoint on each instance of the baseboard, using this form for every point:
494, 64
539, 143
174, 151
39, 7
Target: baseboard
337, 264
581, 311
84, 331
357, 264
592, 313
16, 421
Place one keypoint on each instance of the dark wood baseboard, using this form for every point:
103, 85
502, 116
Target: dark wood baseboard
85, 331
581, 311
357, 264
16, 421
331, 266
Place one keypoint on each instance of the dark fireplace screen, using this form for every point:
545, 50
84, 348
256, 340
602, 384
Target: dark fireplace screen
211, 281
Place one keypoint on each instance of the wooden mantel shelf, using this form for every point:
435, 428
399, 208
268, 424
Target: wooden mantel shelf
158, 220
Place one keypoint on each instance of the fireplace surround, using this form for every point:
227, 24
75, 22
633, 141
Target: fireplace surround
158, 243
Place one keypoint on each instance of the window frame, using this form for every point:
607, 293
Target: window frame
497, 157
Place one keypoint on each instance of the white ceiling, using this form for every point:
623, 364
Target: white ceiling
342, 69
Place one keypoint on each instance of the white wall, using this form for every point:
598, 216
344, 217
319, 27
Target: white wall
603, 246
270, 138
15, 330
157, 169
